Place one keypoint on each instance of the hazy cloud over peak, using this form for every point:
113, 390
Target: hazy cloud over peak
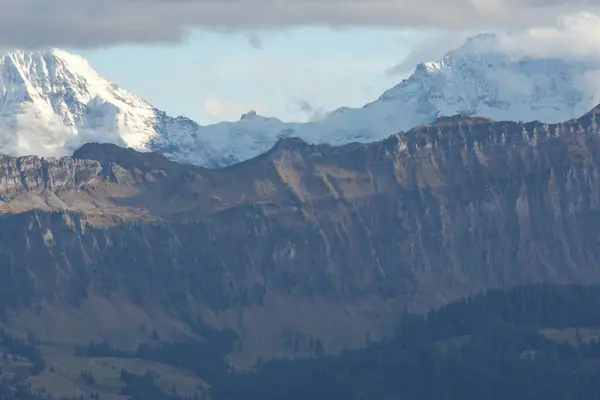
312, 113
573, 36
89, 23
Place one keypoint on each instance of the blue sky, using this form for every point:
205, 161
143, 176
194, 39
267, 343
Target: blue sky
213, 77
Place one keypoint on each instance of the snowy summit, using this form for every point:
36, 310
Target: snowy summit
52, 102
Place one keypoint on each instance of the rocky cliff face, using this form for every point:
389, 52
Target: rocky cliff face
304, 239
31, 173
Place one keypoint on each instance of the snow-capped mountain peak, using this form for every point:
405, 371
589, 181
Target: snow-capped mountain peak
474, 80
428, 67
53, 101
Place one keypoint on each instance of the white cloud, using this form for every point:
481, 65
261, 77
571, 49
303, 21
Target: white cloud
590, 80
312, 113
46, 134
574, 36
428, 48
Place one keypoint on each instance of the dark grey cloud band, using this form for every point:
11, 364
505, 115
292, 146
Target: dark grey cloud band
90, 23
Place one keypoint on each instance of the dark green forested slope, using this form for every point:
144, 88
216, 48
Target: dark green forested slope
534, 342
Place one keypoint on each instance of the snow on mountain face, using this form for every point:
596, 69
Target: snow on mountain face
51, 102
494, 85
465, 81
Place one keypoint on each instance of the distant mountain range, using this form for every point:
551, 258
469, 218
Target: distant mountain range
52, 102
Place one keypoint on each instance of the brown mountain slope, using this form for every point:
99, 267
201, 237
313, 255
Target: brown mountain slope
301, 242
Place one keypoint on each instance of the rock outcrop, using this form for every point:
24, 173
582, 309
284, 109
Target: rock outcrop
26, 174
